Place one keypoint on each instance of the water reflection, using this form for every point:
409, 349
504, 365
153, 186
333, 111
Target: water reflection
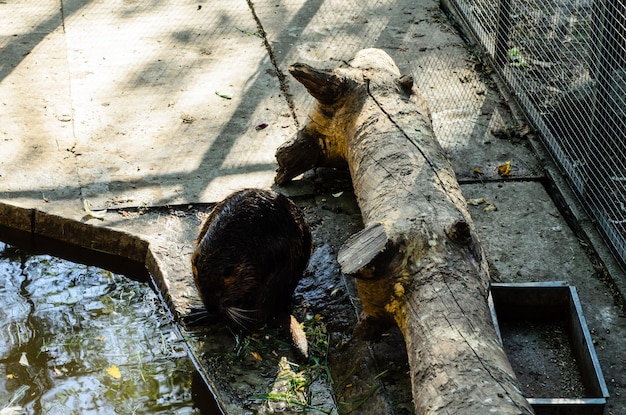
76, 339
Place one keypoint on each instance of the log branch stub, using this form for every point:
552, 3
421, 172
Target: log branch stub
297, 156
340, 98
418, 261
325, 86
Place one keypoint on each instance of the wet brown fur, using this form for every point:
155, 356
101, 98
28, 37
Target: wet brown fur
251, 252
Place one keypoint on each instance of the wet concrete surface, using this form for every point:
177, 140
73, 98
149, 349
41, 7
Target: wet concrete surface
155, 110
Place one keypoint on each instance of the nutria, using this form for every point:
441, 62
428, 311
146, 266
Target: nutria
251, 252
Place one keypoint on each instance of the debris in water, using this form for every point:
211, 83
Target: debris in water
24, 360
114, 372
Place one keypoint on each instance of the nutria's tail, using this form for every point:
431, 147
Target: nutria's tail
293, 329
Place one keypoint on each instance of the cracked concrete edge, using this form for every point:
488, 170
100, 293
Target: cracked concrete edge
16, 218
162, 277
45, 225
41, 226
156, 269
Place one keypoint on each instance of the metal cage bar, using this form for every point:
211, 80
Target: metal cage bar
566, 63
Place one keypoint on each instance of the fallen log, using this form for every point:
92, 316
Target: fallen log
418, 261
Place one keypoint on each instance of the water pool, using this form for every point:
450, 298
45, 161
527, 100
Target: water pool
77, 339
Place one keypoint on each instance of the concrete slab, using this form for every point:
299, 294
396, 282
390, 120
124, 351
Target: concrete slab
168, 100
37, 165
528, 240
133, 102
526, 233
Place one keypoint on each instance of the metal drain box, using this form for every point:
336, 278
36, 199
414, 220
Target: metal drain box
546, 339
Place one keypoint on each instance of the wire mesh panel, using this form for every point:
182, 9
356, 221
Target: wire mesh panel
565, 61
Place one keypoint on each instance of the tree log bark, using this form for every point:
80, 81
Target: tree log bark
418, 261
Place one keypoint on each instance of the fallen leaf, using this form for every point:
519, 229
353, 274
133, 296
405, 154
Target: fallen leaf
256, 356
187, 118
523, 130
261, 126
476, 202
114, 372
250, 33
222, 95
504, 170
516, 58
490, 208
477, 171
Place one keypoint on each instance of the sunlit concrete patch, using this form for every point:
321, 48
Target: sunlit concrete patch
22, 17
36, 137
171, 98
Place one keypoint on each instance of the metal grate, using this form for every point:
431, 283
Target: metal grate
565, 61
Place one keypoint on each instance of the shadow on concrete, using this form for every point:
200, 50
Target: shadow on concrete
14, 51
164, 70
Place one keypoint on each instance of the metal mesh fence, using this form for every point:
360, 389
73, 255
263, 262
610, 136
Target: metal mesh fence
565, 61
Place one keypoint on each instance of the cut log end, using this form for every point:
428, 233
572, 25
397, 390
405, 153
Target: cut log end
360, 250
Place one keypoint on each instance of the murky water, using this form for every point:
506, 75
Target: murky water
76, 339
